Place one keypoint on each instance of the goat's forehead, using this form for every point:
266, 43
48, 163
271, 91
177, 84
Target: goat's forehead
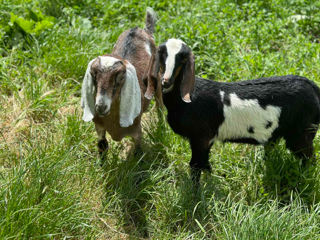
174, 46
107, 61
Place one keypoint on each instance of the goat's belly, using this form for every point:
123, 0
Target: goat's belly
246, 121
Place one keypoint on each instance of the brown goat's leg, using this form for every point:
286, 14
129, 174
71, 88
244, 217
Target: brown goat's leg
137, 140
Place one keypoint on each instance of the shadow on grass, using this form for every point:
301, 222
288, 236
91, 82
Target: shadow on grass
129, 184
285, 177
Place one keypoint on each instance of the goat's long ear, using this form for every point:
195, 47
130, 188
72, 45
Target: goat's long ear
130, 102
187, 84
87, 95
153, 75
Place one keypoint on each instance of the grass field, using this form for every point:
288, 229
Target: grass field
51, 182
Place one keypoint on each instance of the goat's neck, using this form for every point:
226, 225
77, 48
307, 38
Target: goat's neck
173, 97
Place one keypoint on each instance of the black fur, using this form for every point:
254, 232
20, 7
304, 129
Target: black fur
269, 124
251, 129
199, 121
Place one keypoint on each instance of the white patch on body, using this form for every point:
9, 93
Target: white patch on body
243, 114
148, 49
173, 47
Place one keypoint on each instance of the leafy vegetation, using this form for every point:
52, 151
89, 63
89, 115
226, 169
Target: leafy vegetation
51, 182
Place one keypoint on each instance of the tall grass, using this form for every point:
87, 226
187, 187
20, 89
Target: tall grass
51, 183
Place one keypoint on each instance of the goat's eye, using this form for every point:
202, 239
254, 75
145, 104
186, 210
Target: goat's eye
119, 78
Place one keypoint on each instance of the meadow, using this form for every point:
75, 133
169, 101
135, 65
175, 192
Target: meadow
51, 183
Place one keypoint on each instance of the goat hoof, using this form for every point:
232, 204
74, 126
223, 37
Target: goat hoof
103, 145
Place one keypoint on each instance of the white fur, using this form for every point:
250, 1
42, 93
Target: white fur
222, 95
130, 103
104, 100
148, 49
173, 47
242, 114
107, 61
87, 95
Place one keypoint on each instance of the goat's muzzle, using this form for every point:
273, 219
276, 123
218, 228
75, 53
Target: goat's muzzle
165, 82
102, 109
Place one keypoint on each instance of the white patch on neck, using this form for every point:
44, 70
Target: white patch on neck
107, 61
173, 47
147, 47
222, 95
247, 119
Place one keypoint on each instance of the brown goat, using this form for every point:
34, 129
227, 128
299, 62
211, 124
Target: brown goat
117, 87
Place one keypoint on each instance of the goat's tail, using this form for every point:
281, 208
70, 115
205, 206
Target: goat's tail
151, 19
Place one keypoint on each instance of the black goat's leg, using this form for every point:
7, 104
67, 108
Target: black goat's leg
200, 158
302, 147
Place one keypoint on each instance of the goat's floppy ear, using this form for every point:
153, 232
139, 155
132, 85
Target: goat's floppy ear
130, 102
153, 76
187, 84
87, 94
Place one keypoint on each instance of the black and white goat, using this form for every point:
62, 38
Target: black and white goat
114, 85
255, 111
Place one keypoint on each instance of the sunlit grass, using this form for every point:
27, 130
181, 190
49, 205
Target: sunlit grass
51, 183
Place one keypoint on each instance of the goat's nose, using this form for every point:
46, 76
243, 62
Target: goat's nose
101, 108
164, 80
165, 83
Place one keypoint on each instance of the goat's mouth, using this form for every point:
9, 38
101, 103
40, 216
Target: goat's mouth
102, 111
103, 114
167, 85
166, 89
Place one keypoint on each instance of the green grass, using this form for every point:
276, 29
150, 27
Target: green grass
51, 182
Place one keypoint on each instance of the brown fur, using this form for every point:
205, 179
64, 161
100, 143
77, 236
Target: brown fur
127, 48
188, 80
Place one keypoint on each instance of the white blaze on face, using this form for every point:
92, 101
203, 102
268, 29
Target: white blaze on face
245, 118
104, 100
173, 47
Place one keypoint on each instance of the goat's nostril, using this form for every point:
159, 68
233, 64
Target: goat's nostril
164, 81
165, 84
101, 109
